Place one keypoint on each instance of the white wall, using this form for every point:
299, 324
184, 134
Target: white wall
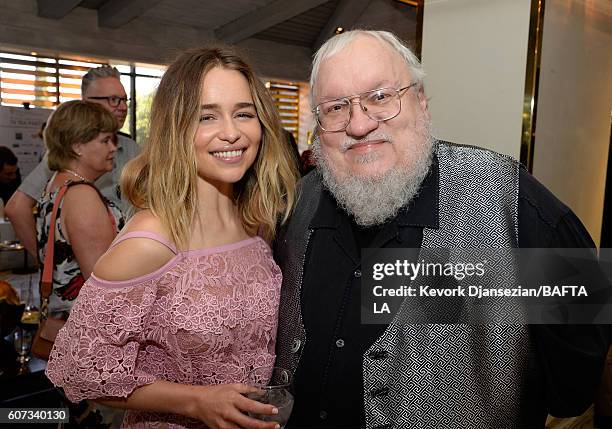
474, 53
574, 106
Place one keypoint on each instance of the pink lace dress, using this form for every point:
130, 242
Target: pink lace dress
206, 317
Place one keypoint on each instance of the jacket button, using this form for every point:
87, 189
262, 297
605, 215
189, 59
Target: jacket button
340, 343
379, 354
296, 345
323, 414
357, 273
382, 391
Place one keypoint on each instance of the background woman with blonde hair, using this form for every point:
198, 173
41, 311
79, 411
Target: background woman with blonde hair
184, 304
80, 141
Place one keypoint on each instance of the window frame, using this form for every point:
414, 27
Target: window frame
52, 98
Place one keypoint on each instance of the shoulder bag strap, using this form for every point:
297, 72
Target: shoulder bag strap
46, 281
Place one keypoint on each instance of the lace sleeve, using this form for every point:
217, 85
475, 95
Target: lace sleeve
96, 352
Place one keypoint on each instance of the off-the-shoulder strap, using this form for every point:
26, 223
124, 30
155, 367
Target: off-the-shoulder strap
145, 234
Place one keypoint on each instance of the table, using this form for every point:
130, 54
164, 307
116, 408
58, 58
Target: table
31, 389
12, 254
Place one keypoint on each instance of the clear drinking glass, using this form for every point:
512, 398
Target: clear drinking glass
22, 340
275, 387
31, 315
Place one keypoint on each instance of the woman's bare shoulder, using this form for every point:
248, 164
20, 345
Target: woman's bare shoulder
82, 198
138, 255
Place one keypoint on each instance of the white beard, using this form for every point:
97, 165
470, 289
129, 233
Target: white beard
372, 200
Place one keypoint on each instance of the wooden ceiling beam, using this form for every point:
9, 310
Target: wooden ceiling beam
117, 13
346, 15
263, 18
56, 9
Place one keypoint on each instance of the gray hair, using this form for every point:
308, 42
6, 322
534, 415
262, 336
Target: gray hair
98, 73
341, 41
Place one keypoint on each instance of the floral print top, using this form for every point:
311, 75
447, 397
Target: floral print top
67, 277
208, 316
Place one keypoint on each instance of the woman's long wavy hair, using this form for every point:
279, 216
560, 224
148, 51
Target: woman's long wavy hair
163, 178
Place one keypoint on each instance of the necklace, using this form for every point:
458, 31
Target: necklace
74, 173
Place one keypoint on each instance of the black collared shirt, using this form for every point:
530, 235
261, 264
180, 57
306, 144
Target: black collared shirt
328, 381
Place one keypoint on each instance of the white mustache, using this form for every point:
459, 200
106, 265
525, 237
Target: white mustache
375, 136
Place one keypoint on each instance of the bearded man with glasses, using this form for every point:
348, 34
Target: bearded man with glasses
100, 85
383, 181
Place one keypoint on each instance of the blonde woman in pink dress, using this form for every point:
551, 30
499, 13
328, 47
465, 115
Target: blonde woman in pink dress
184, 303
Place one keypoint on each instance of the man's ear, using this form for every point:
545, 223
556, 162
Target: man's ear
423, 102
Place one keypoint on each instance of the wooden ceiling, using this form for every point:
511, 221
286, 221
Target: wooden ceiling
305, 23
278, 37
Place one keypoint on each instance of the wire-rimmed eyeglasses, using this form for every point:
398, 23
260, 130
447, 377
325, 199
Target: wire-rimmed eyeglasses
112, 100
379, 104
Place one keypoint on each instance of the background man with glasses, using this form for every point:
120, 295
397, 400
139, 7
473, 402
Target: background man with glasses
100, 85
383, 181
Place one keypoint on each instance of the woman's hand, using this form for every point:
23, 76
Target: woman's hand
221, 406
224, 406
